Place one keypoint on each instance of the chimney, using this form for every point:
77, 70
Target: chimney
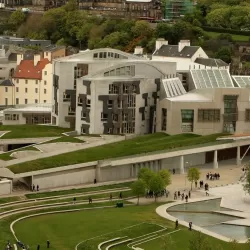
19, 58
182, 44
37, 58
159, 42
138, 50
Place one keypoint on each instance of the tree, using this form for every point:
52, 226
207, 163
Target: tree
166, 176
142, 28
167, 242
156, 184
17, 18
193, 175
199, 241
225, 54
146, 175
138, 189
247, 185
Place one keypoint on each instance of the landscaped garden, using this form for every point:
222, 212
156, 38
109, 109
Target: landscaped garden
139, 145
31, 131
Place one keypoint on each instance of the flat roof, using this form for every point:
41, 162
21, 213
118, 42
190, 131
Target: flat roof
30, 109
235, 137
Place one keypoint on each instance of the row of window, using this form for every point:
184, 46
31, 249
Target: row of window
11, 117
103, 55
25, 101
123, 71
128, 103
27, 81
26, 90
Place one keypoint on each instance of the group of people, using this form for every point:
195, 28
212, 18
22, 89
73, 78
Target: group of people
177, 194
190, 224
151, 194
210, 176
34, 188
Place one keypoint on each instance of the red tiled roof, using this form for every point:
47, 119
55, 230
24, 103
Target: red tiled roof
27, 70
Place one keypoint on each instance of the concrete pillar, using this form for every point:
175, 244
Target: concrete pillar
132, 171
181, 164
238, 159
98, 173
159, 165
215, 159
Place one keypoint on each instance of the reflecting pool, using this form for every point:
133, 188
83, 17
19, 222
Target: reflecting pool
201, 214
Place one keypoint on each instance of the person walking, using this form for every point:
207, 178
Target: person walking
74, 200
189, 194
48, 243
90, 200
196, 183
33, 187
120, 196
186, 197
37, 188
38, 247
175, 195
110, 197
176, 224
190, 226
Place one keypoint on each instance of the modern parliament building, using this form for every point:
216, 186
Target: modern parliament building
178, 90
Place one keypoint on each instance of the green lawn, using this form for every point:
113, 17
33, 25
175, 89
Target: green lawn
77, 191
139, 145
235, 38
31, 131
6, 156
65, 231
9, 199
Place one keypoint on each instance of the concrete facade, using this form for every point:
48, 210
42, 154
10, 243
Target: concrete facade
205, 104
5, 187
93, 72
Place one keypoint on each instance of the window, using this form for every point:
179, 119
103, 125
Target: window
6, 101
110, 103
104, 117
45, 91
113, 89
131, 101
187, 116
26, 90
11, 117
6, 89
115, 117
88, 103
44, 101
123, 71
17, 89
95, 55
26, 101
208, 115
36, 90
247, 115
79, 100
45, 73
17, 80
36, 81
83, 115
71, 111
26, 81
36, 101
66, 97
163, 119
17, 101
45, 82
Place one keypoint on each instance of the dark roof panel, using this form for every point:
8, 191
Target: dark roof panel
172, 51
6, 83
211, 62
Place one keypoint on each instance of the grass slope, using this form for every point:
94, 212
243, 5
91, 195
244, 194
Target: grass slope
235, 38
139, 145
6, 156
31, 131
76, 191
66, 230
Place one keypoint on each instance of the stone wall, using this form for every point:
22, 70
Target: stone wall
5, 187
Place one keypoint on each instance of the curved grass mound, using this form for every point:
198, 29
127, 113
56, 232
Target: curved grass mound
139, 145
31, 131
